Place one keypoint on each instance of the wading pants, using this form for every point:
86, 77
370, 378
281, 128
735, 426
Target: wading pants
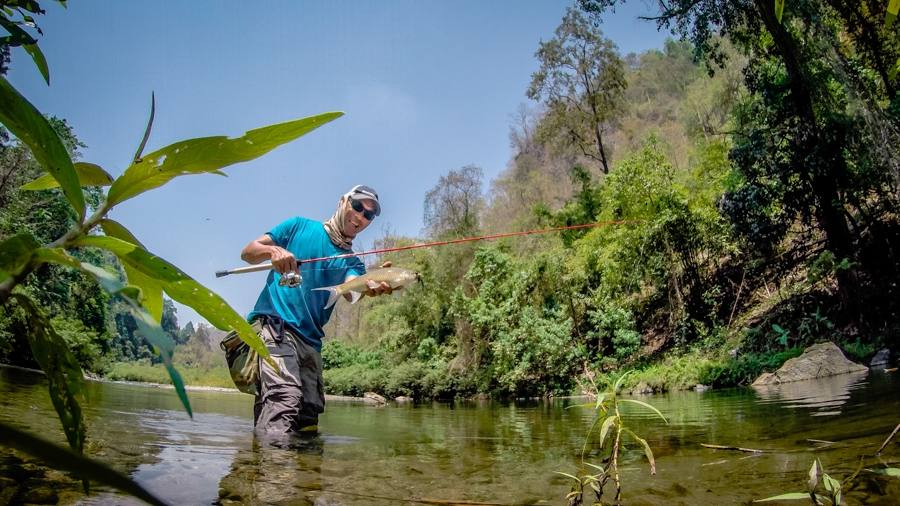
289, 401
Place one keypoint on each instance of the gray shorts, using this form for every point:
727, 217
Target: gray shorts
292, 401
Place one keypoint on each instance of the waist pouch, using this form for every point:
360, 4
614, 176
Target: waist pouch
243, 361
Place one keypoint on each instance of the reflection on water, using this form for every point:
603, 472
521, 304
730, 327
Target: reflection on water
823, 395
477, 452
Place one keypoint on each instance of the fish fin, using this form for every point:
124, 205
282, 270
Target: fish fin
333, 295
355, 296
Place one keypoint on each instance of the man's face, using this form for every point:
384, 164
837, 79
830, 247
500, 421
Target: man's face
355, 221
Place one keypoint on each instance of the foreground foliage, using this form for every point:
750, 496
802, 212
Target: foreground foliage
84, 217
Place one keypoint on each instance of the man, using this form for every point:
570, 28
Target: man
292, 318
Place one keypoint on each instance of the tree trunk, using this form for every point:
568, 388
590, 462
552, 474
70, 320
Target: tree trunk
828, 202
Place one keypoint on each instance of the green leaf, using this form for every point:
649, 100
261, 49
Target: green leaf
147, 327
793, 496
182, 288
892, 73
208, 154
595, 466
16, 252
38, 56
831, 485
57, 256
647, 451
151, 290
891, 14
779, 9
89, 174
64, 375
619, 381
568, 476
644, 404
601, 398
165, 346
63, 458
143, 144
887, 471
27, 123
604, 429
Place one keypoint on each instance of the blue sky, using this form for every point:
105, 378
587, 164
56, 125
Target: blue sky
426, 86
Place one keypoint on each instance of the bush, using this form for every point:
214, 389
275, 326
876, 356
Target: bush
746, 368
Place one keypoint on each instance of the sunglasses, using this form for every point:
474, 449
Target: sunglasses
360, 208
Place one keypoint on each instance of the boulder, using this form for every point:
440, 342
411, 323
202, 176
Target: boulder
373, 398
817, 361
881, 359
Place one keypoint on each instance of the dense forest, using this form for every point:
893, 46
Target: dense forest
745, 177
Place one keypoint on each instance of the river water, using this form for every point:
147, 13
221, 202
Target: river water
475, 452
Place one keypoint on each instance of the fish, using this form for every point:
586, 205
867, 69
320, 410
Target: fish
394, 276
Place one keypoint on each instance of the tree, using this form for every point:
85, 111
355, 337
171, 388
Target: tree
169, 321
581, 80
814, 131
453, 205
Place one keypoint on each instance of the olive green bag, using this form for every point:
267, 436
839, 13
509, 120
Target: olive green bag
243, 361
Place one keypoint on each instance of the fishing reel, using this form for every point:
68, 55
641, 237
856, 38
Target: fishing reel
290, 280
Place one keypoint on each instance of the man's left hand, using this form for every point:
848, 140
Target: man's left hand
375, 289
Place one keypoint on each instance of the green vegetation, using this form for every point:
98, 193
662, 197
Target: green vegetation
748, 185
823, 489
54, 256
750, 188
610, 442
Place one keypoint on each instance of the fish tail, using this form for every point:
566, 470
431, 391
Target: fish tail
333, 295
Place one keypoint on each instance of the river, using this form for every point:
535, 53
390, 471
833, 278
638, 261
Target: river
480, 452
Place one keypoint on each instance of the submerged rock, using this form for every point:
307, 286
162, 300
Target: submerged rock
818, 361
881, 359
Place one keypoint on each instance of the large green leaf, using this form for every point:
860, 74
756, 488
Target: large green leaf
89, 174
182, 288
165, 346
16, 252
64, 375
148, 328
38, 56
208, 154
151, 291
27, 123
891, 14
63, 458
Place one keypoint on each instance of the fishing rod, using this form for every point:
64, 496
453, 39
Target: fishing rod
292, 279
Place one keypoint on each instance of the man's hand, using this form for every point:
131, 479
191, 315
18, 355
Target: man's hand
264, 248
283, 260
383, 288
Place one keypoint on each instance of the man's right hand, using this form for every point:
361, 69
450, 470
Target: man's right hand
264, 248
283, 260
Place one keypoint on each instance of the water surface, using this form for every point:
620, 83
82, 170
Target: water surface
503, 453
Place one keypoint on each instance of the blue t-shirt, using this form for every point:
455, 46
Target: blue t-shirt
301, 308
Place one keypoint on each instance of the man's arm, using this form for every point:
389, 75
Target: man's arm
264, 248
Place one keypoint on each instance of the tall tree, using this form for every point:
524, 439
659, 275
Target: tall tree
581, 81
453, 206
